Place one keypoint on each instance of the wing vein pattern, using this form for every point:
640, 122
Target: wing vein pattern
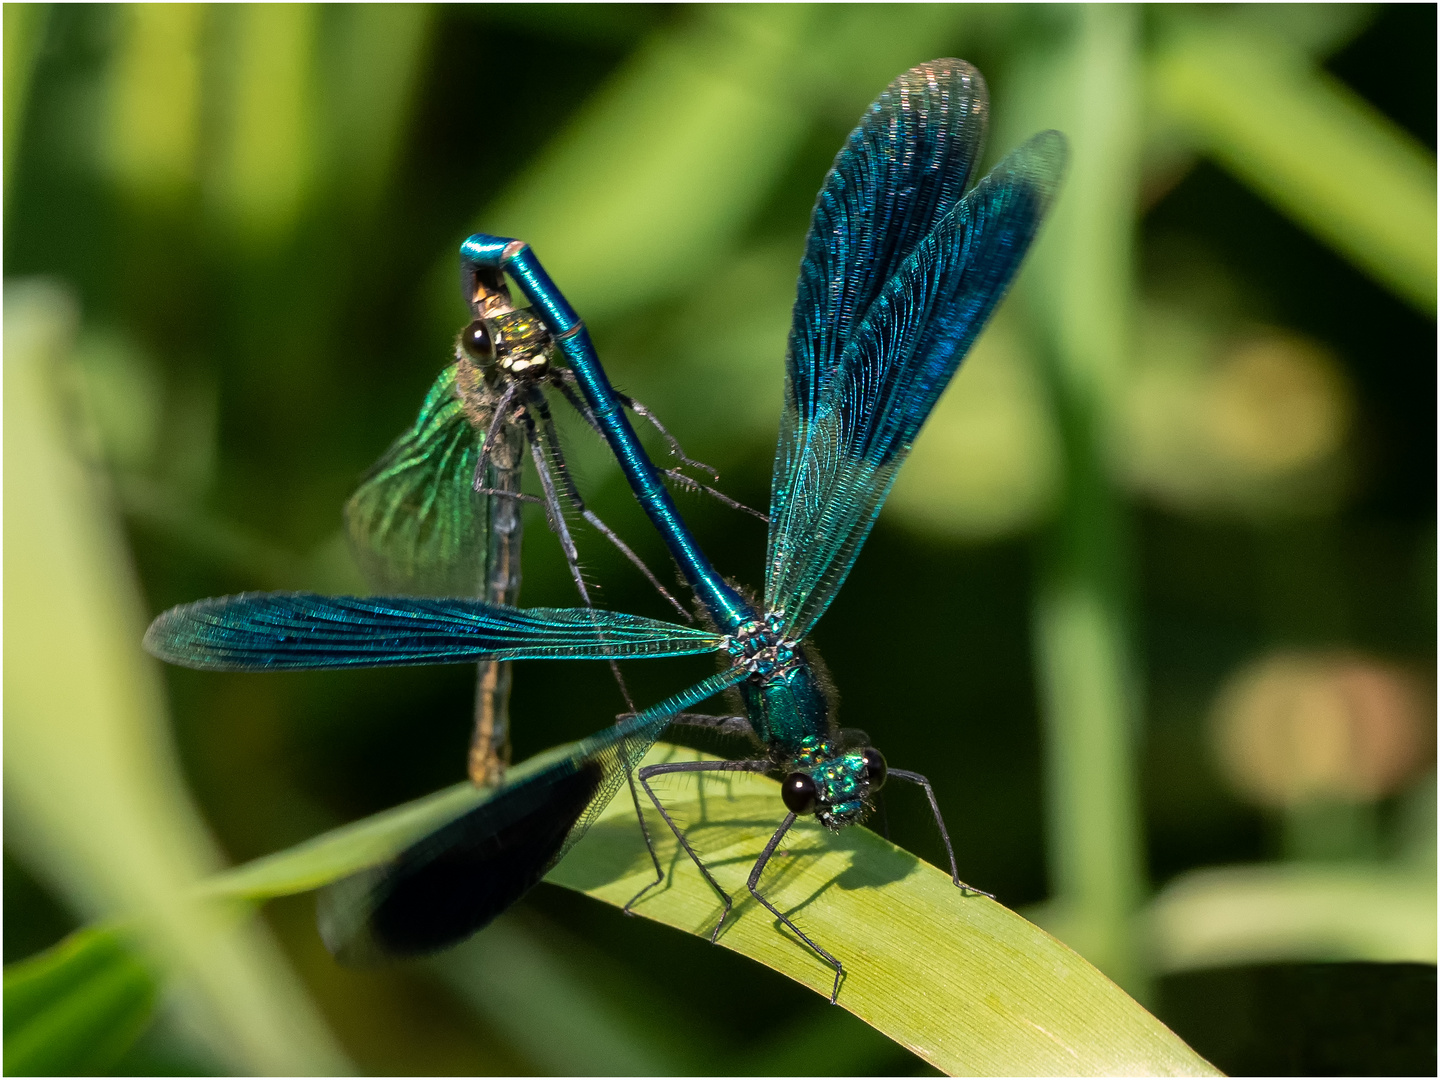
415, 522
851, 418
278, 631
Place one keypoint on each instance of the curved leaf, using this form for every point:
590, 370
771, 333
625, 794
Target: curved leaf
962, 981
1269, 913
95, 798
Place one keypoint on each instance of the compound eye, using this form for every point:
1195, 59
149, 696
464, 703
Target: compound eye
475, 340
875, 767
798, 793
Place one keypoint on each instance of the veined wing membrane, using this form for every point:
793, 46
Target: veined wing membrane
456, 880
291, 631
903, 169
892, 373
416, 524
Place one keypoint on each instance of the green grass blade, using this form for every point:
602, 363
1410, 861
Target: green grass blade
94, 796
1310, 145
963, 982
341, 852
77, 1007
960, 980
1079, 288
24, 26
1288, 913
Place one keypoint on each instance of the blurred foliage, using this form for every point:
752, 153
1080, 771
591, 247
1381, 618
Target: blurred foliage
77, 1008
96, 801
1200, 434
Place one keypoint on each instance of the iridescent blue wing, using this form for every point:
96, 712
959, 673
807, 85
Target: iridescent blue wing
293, 631
456, 880
902, 169
892, 372
415, 523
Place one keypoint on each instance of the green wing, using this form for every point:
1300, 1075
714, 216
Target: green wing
416, 524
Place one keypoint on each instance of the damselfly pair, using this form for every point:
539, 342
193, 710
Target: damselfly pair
439, 514
902, 269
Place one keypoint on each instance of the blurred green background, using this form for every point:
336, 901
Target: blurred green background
1156, 586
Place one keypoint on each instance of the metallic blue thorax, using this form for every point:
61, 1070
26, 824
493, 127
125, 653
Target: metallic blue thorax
783, 698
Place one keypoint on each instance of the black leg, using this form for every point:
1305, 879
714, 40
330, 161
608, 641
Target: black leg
675, 448
497, 421
567, 377
564, 381
556, 514
884, 817
691, 766
500, 493
725, 725
572, 496
785, 919
916, 778
568, 386
695, 485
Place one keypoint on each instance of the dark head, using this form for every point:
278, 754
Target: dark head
514, 341
834, 781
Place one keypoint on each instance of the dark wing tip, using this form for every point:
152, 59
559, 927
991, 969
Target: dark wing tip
457, 880
1040, 162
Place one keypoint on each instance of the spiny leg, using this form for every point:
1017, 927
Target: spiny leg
567, 383
557, 514
884, 814
691, 766
551, 441
553, 510
567, 376
785, 919
676, 449
501, 493
715, 493
497, 421
564, 381
916, 778
725, 725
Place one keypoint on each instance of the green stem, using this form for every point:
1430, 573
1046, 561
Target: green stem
1082, 630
